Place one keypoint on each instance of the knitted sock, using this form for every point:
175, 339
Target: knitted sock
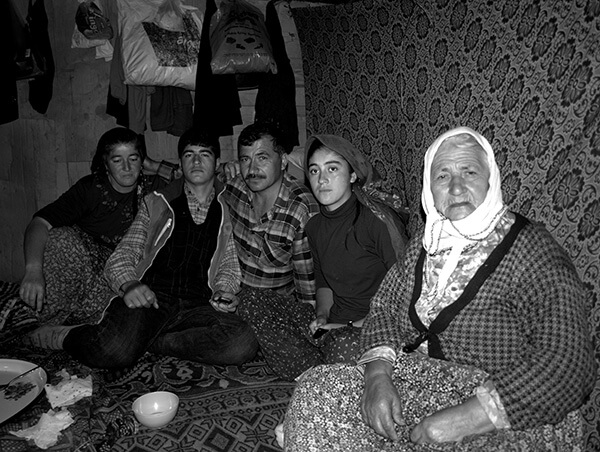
48, 337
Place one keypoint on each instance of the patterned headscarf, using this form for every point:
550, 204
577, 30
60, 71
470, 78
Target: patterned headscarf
442, 233
363, 169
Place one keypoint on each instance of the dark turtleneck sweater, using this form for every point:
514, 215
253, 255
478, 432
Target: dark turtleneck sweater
351, 261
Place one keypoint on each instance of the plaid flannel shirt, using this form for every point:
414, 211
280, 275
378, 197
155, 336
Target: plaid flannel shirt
273, 250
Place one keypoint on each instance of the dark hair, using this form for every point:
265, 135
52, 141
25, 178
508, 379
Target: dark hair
318, 146
313, 148
110, 139
254, 132
195, 137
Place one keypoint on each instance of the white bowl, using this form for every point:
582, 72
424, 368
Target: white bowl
155, 409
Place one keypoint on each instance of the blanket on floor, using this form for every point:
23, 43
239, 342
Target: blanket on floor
231, 408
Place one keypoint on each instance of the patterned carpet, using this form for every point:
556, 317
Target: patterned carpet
222, 409
241, 419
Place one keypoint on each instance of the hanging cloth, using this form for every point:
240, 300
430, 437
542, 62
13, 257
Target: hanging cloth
216, 103
171, 110
8, 81
276, 97
41, 87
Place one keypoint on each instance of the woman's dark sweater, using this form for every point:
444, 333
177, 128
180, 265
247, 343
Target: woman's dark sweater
350, 260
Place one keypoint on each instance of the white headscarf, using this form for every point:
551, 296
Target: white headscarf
442, 233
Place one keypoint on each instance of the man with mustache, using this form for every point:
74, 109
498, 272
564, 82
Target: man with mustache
165, 270
269, 210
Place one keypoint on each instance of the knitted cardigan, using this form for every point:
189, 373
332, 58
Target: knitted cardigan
526, 327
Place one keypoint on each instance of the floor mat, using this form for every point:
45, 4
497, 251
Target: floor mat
231, 420
222, 408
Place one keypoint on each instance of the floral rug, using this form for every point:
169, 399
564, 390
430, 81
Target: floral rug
222, 409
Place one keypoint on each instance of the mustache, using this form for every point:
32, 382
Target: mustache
254, 176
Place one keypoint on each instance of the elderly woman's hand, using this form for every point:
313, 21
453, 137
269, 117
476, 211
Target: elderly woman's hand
380, 403
453, 424
33, 288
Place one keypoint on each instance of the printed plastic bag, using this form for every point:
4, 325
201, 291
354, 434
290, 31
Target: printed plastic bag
92, 29
160, 42
239, 40
91, 22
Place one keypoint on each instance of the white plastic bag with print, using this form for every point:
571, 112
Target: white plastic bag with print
161, 39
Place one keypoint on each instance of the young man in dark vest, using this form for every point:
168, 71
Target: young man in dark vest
165, 270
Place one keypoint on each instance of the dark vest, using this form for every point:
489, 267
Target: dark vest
181, 266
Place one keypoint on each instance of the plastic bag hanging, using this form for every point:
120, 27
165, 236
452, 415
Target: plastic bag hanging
169, 16
155, 51
239, 40
91, 21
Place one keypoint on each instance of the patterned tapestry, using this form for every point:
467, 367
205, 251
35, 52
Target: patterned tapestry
392, 75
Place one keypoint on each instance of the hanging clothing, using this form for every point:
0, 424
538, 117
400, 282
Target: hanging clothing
8, 81
19, 37
217, 103
41, 87
127, 103
276, 97
171, 110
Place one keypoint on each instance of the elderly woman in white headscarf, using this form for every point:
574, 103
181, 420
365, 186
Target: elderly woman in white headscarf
478, 339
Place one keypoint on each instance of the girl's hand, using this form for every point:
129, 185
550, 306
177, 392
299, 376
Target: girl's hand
317, 323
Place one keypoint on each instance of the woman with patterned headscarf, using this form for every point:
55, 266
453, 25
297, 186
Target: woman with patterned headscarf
478, 338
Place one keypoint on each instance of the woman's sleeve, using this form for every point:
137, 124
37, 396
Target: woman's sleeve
382, 325
556, 370
319, 278
383, 242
